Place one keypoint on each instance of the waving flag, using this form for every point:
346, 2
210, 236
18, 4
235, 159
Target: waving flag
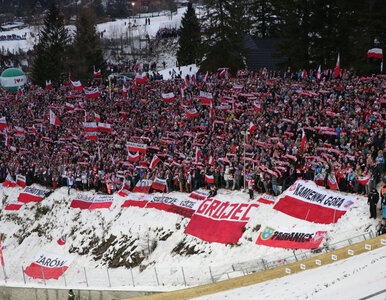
331, 181
191, 113
337, 67
62, 240
54, 120
77, 85
304, 140
154, 162
3, 124
136, 147
159, 184
137, 65
19, 130
70, 106
141, 78
256, 106
206, 98
363, 180
251, 128
169, 97
133, 157
209, 178
205, 77
97, 73
32, 194
21, 180
97, 117
48, 85
104, 127
319, 73
92, 94
375, 52
9, 182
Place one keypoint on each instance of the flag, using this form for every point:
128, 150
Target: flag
238, 87
198, 154
48, 85
97, 117
211, 161
21, 180
331, 181
363, 180
20, 91
337, 67
209, 178
154, 162
159, 184
319, 73
133, 157
256, 106
54, 120
205, 77
137, 65
375, 52
191, 113
77, 85
32, 194
1, 254
9, 181
70, 106
3, 124
211, 111
206, 98
135, 86
169, 97
304, 140
97, 73
251, 128
141, 78
124, 91
93, 93
62, 240
104, 127
19, 130
222, 73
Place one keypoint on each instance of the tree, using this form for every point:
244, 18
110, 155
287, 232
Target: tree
190, 38
227, 22
98, 8
87, 48
51, 53
264, 18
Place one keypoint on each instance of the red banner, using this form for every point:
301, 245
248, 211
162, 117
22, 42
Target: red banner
159, 184
135, 147
81, 201
101, 201
13, 205
21, 180
137, 200
199, 195
161, 203
220, 222
143, 186
32, 194
267, 199
185, 208
290, 238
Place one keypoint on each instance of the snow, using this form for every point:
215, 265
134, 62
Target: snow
25, 233
352, 278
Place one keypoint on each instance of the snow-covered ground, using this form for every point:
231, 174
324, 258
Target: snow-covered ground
151, 239
352, 278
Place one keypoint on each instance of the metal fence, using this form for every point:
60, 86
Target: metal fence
151, 276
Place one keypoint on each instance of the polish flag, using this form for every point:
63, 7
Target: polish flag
92, 94
198, 154
81, 201
206, 98
62, 240
49, 265
137, 65
133, 157
124, 91
136, 147
211, 111
363, 180
135, 86
32, 194
159, 184
21, 180
256, 106
211, 161
223, 73
19, 130
3, 124
154, 162
104, 127
209, 178
92, 136
169, 97
9, 182
375, 52
70, 106
304, 140
251, 128
13, 205
101, 201
77, 85
337, 67
97, 73
90, 127
141, 78
191, 113
123, 192
205, 77
331, 181
238, 87
97, 117
48, 85
138, 200
54, 120
319, 73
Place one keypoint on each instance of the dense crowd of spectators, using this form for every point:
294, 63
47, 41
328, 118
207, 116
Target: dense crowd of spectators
343, 120
167, 32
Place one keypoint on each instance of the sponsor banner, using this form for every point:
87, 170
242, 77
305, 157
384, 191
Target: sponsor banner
293, 238
21, 180
159, 184
135, 147
101, 201
220, 221
305, 200
161, 203
82, 201
185, 208
143, 186
49, 265
137, 200
199, 195
267, 199
32, 194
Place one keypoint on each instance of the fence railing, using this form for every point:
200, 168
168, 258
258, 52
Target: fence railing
152, 276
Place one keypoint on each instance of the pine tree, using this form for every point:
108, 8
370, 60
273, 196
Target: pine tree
51, 53
87, 49
227, 23
264, 18
98, 8
190, 38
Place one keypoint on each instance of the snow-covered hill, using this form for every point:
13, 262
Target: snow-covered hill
143, 238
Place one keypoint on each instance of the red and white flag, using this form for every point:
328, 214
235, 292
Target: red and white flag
21, 180
220, 221
143, 186
331, 181
211, 111
223, 73
169, 97
137, 200
191, 113
267, 199
198, 154
13, 205
256, 106
161, 203
77, 85
104, 127
19, 130
90, 127
363, 180
9, 182
92, 94
238, 87
54, 120
62, 240
70, 106
133, 157
375, 52
32, 194
319, 73
97, 73
251, 128
304, 140
135, 147
319, 179
159, 184
337, 67
137, 65
97, 117
154, 162
209, 178
3, 124
199, 195
101, 201
124, 91
206, 98
82, 201
49, 265
211, 161
141, 79
92, 136
48, 85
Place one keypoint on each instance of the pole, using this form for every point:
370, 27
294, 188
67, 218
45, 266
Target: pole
44, 279
22, 270
108, 276
5, 275
183, 274
156, 275
132, 276
85, 275
211, 275
64, 277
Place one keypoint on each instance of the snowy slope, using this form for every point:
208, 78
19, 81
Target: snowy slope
352, 278
144, 238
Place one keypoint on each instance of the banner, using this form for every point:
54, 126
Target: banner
81, 201
32, 194
169, 97
206, 98
13, 205
135, 147
137, 200
159, 184
305, 200
143, 186
295, 238
21, 180
49, 265
185, 208
161, 203
199, 195
101, 201
267, 199
220, 221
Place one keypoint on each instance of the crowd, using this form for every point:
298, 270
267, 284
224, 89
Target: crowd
343, 121
167, 32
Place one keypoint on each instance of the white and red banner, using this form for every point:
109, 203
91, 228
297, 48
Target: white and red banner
21, 180
92, 94
191, 113
133, 157
209, 178
3, 124
92, 136
206, 98
375, 52
49, 265
54, 120
137, 200
82, 201
169, 97
199, 195
159, 184
9, 182
69, 106
363, 180
267, 199
220, 221
19, 130
90, 127
319, 179
48, 85
141, 78
185, 208
331, 181
104, 127
135, 147
293, 238
161, 203
62, 240
77, 85
101, 201
32, 194
154, 162
13, 205
143, 186
305, 200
